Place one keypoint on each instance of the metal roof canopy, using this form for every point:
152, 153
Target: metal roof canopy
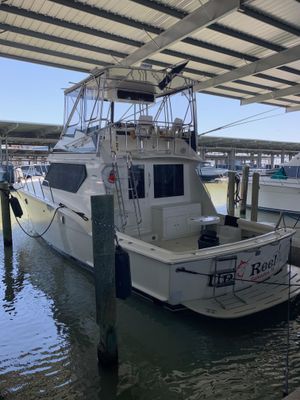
27, 133
33, 134
217, 143
243, 49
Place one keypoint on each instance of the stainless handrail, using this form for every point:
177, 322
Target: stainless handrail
49, 186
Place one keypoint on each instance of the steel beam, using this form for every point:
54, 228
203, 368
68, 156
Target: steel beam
54, 53
178, 13
95, 32
78, 58
275, 94
123, 20
276, 60
68, 25
292, 109
46, 63
268, 19
96, 49
98, 33
60, 40
97, 62
163, 8
102, 13
199, 19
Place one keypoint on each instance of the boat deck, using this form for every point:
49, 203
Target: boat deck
180, 244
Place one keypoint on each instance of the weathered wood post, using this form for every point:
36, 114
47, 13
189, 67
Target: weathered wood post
230, 193
255, 192
104, 270
244, 190
5, 211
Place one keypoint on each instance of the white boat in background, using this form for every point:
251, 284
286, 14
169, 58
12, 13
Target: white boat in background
181, 251
210, 173
280, 191
30, 171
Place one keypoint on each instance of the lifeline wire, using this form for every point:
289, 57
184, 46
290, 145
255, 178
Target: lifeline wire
240, 122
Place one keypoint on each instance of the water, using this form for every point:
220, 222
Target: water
49, 339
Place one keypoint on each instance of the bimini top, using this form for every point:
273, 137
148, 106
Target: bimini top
118, 83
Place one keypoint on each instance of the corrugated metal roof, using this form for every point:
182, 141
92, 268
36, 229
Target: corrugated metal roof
29, 133
83, 34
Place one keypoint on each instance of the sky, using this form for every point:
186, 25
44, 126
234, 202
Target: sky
34, 93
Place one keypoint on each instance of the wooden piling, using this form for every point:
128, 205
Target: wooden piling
230, 193
255, 192
244, 190
104, 269
5, 211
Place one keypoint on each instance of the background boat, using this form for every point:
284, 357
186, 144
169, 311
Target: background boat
210, 173
280, 191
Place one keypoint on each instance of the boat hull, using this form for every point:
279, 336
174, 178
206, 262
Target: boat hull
277, 195
185, 278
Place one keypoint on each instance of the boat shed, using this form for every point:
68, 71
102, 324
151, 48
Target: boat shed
23, 141
243, 49
32, 141
27, 133
228, 151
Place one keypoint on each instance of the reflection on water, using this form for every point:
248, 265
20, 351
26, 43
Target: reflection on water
49, 339
218, 194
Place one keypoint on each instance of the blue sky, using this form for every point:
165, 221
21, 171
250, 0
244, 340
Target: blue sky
34, 93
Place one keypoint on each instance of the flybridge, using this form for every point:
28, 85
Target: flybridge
134, 102
136, 80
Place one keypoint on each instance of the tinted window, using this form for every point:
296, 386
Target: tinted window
68, 177
168, 180
136, 179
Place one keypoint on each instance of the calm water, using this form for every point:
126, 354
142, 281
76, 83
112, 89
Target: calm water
49, 339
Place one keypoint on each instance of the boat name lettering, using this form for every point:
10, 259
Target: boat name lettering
222, 278
259, 267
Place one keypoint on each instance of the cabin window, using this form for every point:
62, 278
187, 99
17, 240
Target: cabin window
168, 180
136, 179
68, 177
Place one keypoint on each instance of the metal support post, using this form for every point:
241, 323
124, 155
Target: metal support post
272, 160
259, 156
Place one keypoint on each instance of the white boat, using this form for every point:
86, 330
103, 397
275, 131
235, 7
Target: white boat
29, 171
280, 191
210, 173
181, 251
